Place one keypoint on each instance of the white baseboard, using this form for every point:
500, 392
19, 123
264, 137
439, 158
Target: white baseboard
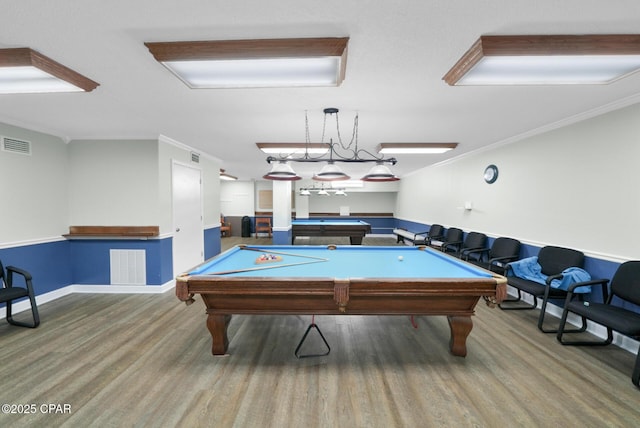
25, 305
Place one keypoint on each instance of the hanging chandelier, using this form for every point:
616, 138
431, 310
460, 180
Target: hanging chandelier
322, 191
331, 153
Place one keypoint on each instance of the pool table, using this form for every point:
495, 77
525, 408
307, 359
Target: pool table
339, 280
354, 229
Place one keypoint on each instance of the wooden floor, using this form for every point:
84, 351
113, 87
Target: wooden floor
145, 360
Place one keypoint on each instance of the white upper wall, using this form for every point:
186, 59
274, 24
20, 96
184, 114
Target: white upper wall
237, 198
574, 186
93, 182
33, 188
354, 202
113, 183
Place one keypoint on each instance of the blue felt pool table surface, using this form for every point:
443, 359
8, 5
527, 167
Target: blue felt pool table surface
343, 262
329, 222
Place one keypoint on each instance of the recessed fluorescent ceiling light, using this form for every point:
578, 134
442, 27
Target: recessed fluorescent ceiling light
255, 63
347, 183
23, 71
24, 80
547, 60
227, 177
415, 148
551, 70
293, 148
257, 73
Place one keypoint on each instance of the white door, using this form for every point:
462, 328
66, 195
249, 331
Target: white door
188, 245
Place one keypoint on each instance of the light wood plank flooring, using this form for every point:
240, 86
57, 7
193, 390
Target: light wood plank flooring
145, 360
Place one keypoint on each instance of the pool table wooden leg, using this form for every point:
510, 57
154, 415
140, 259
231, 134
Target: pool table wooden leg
217, 325
460, 328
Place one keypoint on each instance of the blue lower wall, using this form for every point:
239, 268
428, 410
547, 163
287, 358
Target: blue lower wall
380, 225
48, 263
282, 237
90, 260
55, 265
411, 226
212, 242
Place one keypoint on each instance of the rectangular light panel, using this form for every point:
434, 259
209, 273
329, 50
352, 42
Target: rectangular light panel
29, 79
285, 149
23, 70
257, 73
255, 63
551, 70
547, 60
415, 148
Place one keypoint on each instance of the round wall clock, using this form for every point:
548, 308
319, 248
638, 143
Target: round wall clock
491, 174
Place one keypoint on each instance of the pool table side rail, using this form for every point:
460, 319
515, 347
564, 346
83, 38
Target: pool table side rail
349, 295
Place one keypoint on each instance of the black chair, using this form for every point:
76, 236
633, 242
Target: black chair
451, 242
436, 231
9, 293
473, 241
502, 251
625, 286
553, 261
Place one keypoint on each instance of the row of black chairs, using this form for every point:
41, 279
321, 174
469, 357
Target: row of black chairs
473, 247
623, 289
609, 312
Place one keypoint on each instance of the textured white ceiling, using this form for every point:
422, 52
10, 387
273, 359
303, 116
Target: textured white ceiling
398, 53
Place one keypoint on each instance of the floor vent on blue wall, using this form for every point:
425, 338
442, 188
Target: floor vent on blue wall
128, 267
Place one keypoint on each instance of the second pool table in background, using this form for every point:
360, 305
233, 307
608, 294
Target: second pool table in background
354, 229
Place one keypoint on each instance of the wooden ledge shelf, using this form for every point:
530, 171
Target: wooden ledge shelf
113, 232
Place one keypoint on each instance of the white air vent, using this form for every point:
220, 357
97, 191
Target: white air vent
16, 146
128, 267
195, 157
